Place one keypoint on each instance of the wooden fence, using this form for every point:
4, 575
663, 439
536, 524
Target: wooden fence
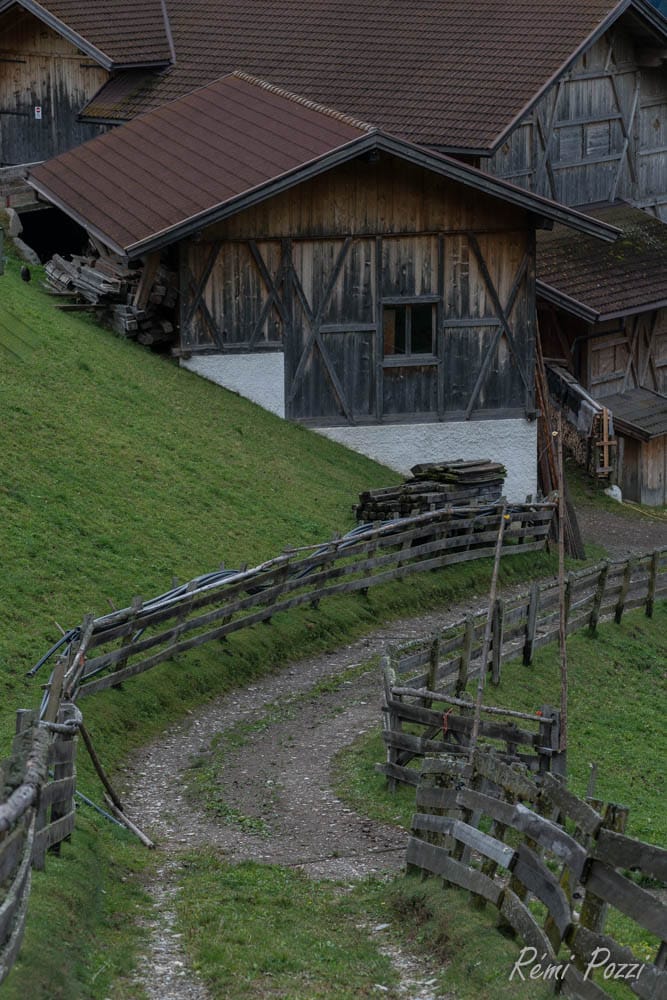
436, 669
37, 784
551, 863
37, 781
125, 643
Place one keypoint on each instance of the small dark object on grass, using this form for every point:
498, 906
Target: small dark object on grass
25, 273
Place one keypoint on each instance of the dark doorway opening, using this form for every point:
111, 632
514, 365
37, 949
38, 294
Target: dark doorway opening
49, 231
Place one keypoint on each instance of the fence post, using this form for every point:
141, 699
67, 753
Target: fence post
620, 606
497, 640
594, 910
433, 658
652, 582
598, 598
466, 652
390, 721
64, 757
531, 623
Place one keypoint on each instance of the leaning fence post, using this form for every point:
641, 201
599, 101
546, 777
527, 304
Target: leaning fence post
598, 598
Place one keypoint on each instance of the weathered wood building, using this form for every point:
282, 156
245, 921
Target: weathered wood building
342, 277
599, 131
55, 57
603, 317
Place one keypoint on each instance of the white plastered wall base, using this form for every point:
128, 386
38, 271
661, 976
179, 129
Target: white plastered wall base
260, 378
400, 446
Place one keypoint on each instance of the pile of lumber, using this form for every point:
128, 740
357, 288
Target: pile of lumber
136, 302
433, 486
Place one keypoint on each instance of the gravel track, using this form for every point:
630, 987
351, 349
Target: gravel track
282, 776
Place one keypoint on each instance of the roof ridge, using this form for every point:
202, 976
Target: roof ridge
305, 101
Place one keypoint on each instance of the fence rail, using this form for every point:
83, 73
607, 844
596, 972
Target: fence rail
437, 668
551, 887
126, 643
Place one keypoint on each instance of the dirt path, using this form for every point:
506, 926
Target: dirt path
281, 777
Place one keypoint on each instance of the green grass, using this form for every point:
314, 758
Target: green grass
266, 931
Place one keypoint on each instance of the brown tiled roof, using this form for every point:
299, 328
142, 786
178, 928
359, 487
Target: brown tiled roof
184, 159
640, 413
186, 164
598, 281
452, 73
126, 32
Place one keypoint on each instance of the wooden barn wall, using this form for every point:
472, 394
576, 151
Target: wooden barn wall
316, 271
599, 133
609, 357
39, 68
630, 354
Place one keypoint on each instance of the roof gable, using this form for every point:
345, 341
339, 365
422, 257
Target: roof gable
214, 152
117, 33
448, 74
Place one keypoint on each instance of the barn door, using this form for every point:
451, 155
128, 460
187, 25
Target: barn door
330, 353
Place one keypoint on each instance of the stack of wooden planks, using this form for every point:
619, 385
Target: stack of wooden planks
136, 302
433, 486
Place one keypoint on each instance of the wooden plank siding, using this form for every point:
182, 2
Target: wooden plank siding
628, 354
39, 68
316, 270
598, 133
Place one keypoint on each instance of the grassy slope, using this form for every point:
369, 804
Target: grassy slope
120, 471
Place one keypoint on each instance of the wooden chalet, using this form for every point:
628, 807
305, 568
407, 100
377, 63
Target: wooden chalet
54, 57
340, 276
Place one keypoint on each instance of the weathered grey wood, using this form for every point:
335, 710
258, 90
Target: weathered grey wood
436, 861
10, 950
620, 851
581, 989
627, 897
466, 834
594, 909
497, 640
539, 829
464, 664
597, 600
534, 874
585, 817
16, 892
651, 983
519, 917
620, 605
394, 772
531, 623
434, 797
11, 849
53, 834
